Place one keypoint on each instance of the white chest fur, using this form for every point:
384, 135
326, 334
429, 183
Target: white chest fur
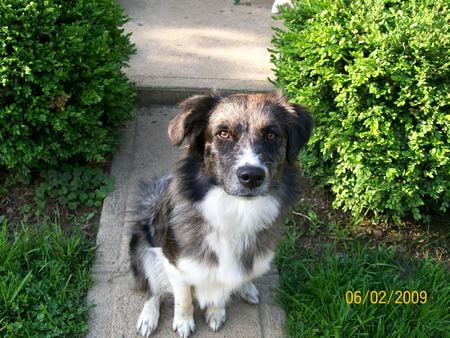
238, 215
234, 223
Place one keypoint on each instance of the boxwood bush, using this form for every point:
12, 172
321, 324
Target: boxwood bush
375, 73
63, 94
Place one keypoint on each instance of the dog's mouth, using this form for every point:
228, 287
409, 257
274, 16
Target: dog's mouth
248, 195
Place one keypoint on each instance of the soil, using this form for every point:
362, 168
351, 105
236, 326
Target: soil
413, 239
16, 197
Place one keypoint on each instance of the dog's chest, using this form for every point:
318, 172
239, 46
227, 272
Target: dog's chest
233, 225
230, 215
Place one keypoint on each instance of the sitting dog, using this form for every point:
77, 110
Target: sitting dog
206, 231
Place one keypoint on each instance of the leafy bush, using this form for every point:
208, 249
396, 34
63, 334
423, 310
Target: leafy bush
63, 94
376, 75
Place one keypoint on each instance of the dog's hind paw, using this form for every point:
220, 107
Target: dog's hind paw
249, 293
149, 317
184, 327
215, 317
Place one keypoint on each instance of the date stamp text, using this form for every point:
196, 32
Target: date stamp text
385, 297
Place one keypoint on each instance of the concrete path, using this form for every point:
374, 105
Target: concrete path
184, 47
198, 44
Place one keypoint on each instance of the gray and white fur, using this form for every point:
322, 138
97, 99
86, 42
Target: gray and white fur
205, 232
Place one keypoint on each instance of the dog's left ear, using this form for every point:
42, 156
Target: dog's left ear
299, 128
191, 122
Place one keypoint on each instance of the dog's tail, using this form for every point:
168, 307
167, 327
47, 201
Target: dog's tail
140, 217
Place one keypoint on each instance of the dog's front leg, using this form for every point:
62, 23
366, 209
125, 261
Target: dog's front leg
183, 319
148, 319
215, 316
214, 299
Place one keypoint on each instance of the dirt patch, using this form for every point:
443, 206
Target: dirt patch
319, 223
19, 205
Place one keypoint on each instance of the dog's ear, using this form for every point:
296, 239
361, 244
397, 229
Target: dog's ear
299, 124
191, 122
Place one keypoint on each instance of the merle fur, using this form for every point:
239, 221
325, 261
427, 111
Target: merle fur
166, 215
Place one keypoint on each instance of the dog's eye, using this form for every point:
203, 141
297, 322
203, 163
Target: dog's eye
271, 136
224, 134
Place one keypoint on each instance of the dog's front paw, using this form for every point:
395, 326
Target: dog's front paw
249, 293
215, 317
183, 326
148, 319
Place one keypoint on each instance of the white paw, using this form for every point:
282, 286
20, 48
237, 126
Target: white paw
249, 293
149, 317
184, 327
215, 317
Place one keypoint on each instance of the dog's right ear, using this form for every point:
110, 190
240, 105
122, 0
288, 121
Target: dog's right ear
191, 122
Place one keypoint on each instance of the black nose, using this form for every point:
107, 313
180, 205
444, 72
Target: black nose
250, 176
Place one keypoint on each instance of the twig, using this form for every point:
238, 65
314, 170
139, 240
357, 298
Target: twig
303, 215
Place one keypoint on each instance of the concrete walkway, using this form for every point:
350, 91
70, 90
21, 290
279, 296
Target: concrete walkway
197, 44
180, 52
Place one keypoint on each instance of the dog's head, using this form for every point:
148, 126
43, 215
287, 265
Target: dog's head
245, 140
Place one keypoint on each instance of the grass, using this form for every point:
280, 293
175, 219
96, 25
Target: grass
45, 274
48, 225
319, 261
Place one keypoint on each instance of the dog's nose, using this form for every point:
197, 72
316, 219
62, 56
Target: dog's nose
251, 176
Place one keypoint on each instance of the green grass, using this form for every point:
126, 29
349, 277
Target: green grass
315, 276
45, 274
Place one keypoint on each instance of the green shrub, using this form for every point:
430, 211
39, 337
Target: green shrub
375, 73
63, 94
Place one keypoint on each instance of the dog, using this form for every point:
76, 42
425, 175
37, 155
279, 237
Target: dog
206, 231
